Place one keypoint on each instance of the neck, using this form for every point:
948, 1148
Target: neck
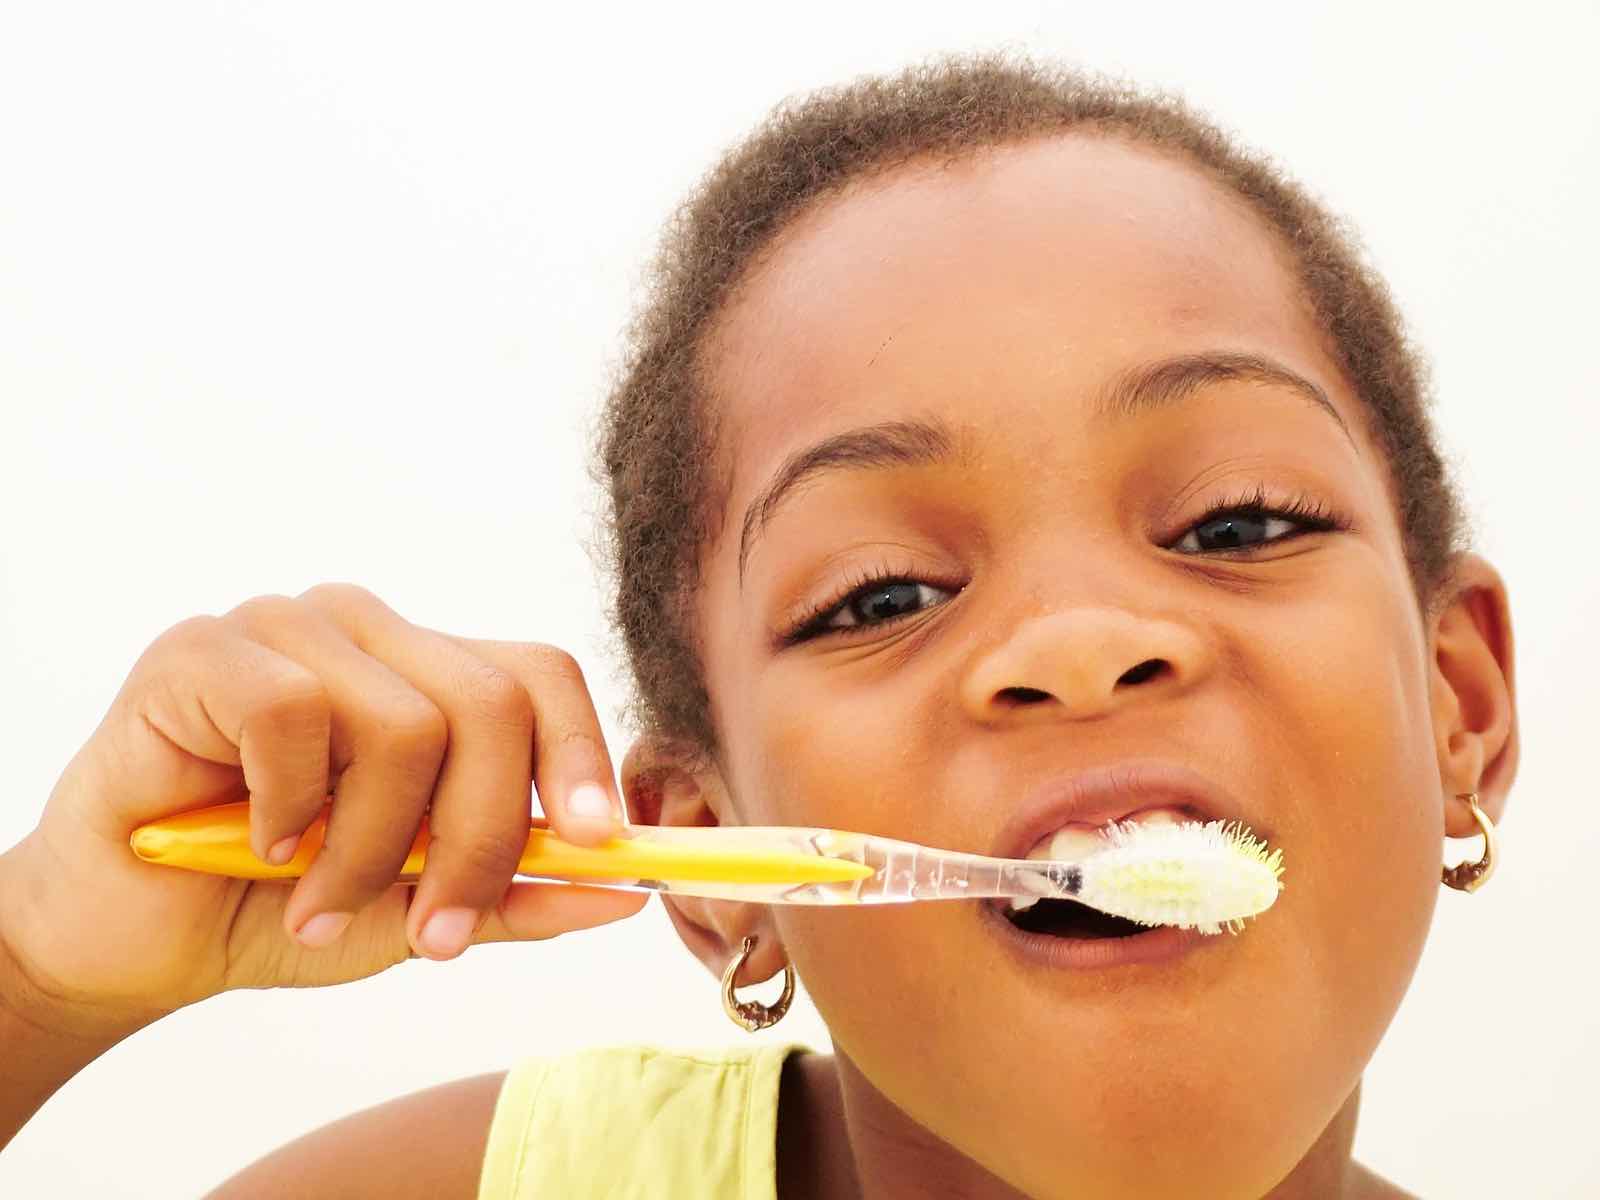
841, 1139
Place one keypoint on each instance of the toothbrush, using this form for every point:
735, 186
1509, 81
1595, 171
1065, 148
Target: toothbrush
1192, 875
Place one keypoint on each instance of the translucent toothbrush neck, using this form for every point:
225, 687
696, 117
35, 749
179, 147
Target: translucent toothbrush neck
902, 872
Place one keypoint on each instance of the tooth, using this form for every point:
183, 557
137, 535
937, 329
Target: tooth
1024, 903
1077, 841
1159, 816
1074, 842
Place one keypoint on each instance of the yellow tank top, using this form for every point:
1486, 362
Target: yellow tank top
625, 1122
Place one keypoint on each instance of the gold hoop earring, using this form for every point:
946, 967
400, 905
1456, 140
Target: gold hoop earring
750, 1015
1469, 877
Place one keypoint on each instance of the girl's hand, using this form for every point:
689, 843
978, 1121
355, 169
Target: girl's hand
283, 701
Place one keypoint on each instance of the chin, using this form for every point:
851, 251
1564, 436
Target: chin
1205, 1072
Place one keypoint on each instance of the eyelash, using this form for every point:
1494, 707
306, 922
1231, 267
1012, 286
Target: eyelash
1312, 515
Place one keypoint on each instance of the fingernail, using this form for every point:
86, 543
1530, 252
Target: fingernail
283, 851
323, 928
590, 800
447, 931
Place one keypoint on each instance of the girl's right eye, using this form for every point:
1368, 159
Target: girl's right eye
879, 600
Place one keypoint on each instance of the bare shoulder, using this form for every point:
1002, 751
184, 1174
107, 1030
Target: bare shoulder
426, 1145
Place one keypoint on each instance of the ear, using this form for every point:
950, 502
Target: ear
1473, 692
665, 782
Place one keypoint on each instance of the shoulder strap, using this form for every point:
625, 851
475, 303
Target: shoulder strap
638, 1121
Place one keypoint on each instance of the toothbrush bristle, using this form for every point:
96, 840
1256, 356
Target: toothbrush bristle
1192, 875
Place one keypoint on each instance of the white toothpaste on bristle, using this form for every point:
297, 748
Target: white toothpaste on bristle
1191, 875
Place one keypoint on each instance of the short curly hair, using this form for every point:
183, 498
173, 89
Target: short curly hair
654, 451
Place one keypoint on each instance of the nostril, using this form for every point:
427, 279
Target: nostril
1024, 695
1151, 666
1027, 695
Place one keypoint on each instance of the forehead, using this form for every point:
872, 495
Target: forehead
1012, 282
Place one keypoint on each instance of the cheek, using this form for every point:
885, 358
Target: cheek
844, 757
1364, 834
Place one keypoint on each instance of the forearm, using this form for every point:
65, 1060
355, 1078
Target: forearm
36, 1062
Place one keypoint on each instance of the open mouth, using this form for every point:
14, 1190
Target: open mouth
1054, 934
1062, 934
1069, 919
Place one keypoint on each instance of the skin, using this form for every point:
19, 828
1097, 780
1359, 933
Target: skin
1002, 294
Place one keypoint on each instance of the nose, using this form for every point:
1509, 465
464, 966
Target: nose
1081, 663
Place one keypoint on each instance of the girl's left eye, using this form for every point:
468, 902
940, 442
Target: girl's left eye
1237, 526
1229, 525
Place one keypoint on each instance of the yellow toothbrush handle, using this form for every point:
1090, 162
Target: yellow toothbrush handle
216, 840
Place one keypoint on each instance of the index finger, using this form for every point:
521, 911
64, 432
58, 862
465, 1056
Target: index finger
572, 772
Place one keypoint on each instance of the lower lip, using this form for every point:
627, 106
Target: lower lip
1165, 943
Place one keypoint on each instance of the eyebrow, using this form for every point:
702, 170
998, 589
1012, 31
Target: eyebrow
1145, 389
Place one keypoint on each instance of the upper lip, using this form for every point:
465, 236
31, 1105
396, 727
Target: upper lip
1110, 792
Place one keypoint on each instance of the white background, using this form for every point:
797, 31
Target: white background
295, 292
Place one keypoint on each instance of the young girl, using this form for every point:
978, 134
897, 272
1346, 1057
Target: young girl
1000, 452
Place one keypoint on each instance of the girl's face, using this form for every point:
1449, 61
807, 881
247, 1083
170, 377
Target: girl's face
1053, 548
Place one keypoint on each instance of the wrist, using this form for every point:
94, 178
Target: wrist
42, 1043
39, 1057
29, 999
